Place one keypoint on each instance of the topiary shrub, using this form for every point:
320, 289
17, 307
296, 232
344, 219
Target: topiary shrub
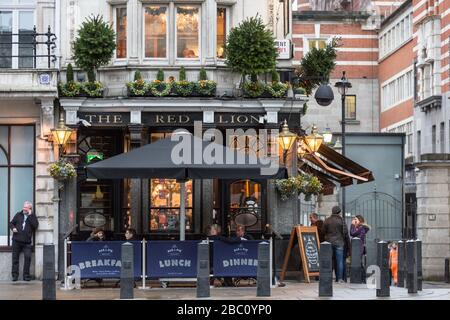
69, 73
160, 75
203, 75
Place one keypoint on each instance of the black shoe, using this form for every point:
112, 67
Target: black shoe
15, 279
26, 279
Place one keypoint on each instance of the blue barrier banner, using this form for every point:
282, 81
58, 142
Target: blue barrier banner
172, 259
235, 259
102, 259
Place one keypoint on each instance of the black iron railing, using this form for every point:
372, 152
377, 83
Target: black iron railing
28, 43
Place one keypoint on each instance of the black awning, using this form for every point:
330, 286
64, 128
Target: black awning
184, 160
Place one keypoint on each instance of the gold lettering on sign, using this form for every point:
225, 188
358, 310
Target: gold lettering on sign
159, 119
221, 119
254, 119
242, 119
171, 119
90, 116
117, 118
184, 119
232, 118
101, 117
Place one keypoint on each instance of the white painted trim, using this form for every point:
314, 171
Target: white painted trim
417, 6
445, 68
384, 109
386, 3
445, 13
445, 29
399, 123
397, 75
445, 81
445, 42
420, 16
356, 63
296, 49
357, 36
303, 5
358, 49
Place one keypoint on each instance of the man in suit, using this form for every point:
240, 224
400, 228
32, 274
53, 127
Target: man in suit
23, 225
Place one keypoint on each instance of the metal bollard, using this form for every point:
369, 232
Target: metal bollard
383, 264
48, 276
447, 270
401, 264
419, 264
127, 272
411, 264
325, 270
263, 272
356, 263
203, 270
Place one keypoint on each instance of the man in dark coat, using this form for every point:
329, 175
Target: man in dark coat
23, 225
316, 222
336, 232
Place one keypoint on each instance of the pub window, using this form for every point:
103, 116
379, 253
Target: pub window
245, 205
350, 107
165, 200
121, 32
17, 51
222, 28
16, 174
187, 32
317, 43
155, 31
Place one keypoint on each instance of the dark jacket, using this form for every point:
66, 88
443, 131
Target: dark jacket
335, 231
360, 232
319, 225
23, 234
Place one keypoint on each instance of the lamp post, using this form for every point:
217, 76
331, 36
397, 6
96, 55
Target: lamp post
61, 134
286, 139
343, 85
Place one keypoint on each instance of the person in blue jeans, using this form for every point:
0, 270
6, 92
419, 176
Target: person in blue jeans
335, 232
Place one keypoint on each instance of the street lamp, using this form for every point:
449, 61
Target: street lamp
61, 134
314, 140
286, 139
343, 85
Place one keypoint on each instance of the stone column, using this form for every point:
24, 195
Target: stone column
209, 31
134, 30
433, 216
137, 139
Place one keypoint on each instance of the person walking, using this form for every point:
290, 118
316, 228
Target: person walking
393, 262
23, 225
335, 231
359, 229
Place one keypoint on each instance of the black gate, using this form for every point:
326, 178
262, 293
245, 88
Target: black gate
383, 213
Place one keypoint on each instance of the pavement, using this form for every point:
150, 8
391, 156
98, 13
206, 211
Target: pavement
293, 290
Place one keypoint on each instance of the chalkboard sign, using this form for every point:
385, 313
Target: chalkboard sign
308, 245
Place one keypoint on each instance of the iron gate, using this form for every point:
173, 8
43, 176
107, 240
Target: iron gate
383, 213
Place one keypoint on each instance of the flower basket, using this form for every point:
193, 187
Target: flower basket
277, 89
303, 183
62, 170
69, 89
184, 88
206, 88
253, 89
159, 88
93, 89
137, 88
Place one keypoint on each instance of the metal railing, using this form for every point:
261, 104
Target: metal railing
26, 44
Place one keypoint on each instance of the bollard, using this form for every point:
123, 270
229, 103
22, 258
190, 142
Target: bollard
325, 270
383, 264
48, 276
401, 264
356, 263
411, 265
419, 264
127, 272
203, 270
263, 272
447, 270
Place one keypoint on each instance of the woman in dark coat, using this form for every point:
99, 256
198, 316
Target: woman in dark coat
359, 230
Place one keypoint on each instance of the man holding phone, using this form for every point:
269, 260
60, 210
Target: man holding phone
23, 225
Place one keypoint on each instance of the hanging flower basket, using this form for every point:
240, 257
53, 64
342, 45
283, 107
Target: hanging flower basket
184, 88
93, 89
69, 89
303, 183
206, 88
62, 170
254, 89
277, 89
137, 88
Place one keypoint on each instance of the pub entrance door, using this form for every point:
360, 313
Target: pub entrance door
244, 203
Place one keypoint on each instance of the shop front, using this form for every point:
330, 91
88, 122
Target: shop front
152, 206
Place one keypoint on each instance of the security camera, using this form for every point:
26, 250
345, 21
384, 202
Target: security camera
84, 122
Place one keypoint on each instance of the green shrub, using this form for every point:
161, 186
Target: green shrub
182, 75
69, 73
203, 75
137, 75
160, 75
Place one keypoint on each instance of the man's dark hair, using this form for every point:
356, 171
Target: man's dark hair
314, 215
131, 230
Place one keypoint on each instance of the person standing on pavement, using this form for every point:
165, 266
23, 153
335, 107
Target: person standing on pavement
336, 232
23, 225
359, 229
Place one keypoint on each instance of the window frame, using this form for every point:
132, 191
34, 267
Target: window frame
175, 40
15, 10
346, 117
116, 59
169, 17
9, 167
227, 29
